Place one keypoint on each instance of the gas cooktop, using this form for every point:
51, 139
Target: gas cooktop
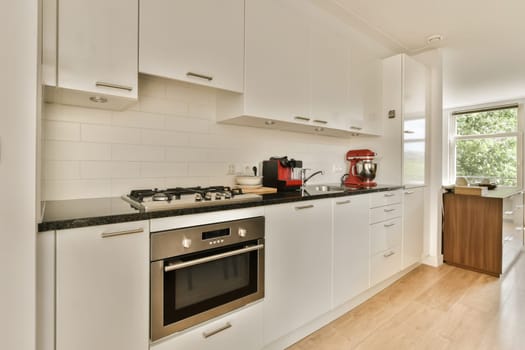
189, 197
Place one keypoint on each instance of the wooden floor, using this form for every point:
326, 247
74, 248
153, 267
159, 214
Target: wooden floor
434, 308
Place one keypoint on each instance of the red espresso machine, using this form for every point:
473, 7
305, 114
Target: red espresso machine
362, 170
282, 173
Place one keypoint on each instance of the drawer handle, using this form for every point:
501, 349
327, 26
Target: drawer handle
343, 202
508, 238
218, 330
121, 233
389, 195
390, 253
388, 210
113, 86
320, 121
389, 225
409, 192
356, 128
509, 212
200, 76
304, 207
304, 119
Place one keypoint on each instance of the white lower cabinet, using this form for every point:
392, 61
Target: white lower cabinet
351, 247
102, 287
385, 235
298, 265
241, 329
413, 225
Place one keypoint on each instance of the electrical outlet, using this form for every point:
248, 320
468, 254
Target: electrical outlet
337, 168
231, 169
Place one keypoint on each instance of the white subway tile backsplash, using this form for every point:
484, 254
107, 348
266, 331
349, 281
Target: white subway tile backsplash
76, 114
65, 150
151, 86
185, 154
72, 189
163, 169
62, 131
164, 138
168, 139
61, 170
163, 106
137, 152
109, 134
207, 169
187, 124
135, 119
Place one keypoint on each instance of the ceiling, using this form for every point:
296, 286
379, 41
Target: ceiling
483, 46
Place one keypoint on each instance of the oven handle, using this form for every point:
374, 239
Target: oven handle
178, 266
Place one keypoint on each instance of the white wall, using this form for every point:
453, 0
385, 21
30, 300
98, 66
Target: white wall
169, 138
18, 129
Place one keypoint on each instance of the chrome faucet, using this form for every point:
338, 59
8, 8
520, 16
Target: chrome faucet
303, 173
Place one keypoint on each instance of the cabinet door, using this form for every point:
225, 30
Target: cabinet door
277, 59
413, 225
351, 247
239, 330
298, 265
102, 287
512, 229
97, 46
198, 41
330, 72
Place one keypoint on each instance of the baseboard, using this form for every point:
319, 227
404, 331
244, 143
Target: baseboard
433, 261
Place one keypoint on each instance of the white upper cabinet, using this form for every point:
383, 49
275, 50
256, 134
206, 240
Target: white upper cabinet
96, 48
198, 41
277, 60
305, 71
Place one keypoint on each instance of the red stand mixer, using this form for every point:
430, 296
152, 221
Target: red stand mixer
362, 168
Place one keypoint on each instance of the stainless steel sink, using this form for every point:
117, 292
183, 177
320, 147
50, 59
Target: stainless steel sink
324, 189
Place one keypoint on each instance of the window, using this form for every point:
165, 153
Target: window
485, 145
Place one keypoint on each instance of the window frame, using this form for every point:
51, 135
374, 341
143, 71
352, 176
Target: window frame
518, 134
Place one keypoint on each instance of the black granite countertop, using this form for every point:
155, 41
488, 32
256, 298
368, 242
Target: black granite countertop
66, 214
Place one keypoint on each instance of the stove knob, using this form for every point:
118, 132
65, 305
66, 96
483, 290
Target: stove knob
198, 197
218, 196
227, 195
208, 196
242, 232
186, 243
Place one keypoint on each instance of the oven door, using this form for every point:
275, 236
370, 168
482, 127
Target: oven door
193, 288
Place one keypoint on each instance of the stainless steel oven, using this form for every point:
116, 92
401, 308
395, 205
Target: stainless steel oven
201, 272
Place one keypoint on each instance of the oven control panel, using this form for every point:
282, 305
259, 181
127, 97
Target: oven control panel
165, 244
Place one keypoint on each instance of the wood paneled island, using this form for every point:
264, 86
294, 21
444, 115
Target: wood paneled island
483, 233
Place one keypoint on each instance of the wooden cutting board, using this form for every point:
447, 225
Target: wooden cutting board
258, 190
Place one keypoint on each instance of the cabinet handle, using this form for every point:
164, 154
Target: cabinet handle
320, 121
304, 207
343, 202
121, 233
390, 253
298, 117
509, 212
388, 210
409, 192
200, 76
389, 195
508, 238
388, 225
356, 128
218, 330
409, 132
113, 86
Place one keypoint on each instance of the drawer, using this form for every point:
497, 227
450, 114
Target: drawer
385, 235
380, 199
241, 329
385, 213
385, 264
